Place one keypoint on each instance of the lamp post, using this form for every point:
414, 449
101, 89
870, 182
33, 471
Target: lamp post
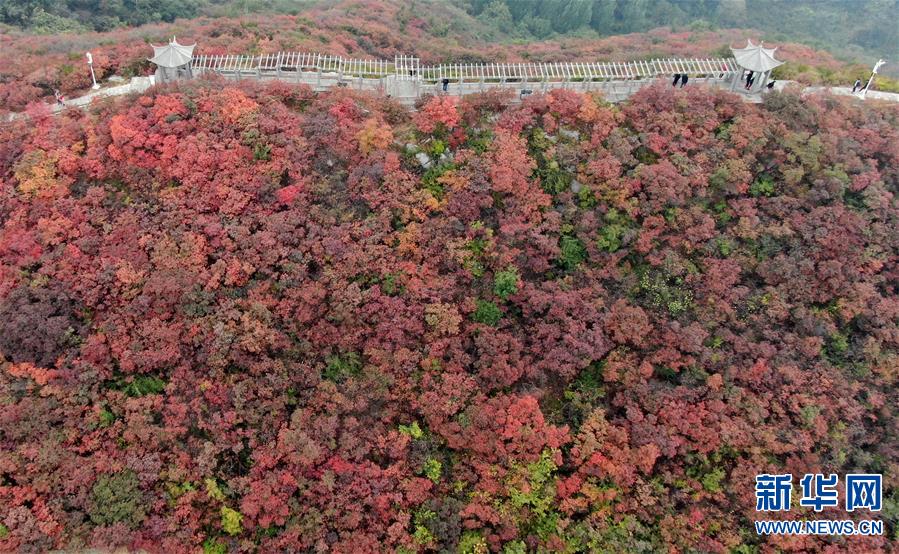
864, 91
90, 64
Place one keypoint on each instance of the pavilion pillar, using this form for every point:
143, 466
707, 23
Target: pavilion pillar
738, 76
759, 85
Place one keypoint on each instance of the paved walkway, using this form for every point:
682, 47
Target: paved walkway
847, 91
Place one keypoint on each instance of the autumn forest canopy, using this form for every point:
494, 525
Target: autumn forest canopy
249, 317
238, 317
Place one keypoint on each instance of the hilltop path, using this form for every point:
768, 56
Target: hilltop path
406, 80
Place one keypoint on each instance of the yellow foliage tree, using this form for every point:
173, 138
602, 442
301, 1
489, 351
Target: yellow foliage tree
374, 135
36, 172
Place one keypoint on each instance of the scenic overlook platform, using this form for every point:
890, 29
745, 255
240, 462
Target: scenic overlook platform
747, 73
406, 79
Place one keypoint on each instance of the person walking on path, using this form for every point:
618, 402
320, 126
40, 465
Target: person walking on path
857, 85
60, 101
676, 79
683, 80
445, 85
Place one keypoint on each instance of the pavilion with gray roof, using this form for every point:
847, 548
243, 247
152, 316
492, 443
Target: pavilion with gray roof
173, 61
759, 60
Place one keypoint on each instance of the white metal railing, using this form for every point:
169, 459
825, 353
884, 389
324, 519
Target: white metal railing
409, 68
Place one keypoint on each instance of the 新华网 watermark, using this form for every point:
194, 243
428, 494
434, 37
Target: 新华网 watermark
861, 491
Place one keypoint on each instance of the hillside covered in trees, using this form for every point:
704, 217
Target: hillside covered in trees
846, 26
245, 318
33, 66
854, 29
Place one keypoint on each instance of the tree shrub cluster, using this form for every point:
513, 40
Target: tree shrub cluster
332, 348
66, 16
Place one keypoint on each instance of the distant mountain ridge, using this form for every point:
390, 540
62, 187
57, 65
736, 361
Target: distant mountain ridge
849, 28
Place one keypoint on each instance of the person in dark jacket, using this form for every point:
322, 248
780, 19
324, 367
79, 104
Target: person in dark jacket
445, 85
676, 79
683, 80
857, 85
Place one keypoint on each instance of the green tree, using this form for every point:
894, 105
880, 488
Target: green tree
505, 283
497, 14
487, 313
117, 498
231, 521
573, 252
